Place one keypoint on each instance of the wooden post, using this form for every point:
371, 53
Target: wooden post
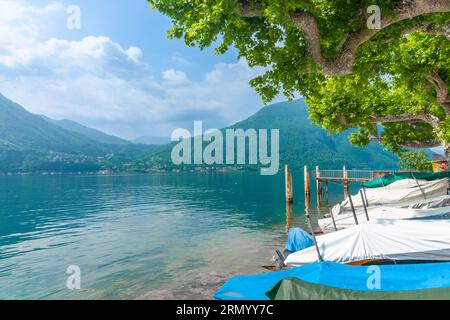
345, 175
326, 194
307, 185
318, 188
288, 181
289, 216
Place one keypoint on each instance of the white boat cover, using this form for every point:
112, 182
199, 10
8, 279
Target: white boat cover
405, 183
347, 219
397, 193
438, 202
427, 240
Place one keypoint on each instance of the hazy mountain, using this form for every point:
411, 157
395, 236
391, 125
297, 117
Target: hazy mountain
93, 134
302, 143
28, 142
25, 130
157, 141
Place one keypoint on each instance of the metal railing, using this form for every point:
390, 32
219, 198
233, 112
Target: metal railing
351, 174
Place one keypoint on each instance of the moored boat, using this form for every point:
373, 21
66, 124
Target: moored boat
392, 178
397, 194
426, 209
328, 280
380, 240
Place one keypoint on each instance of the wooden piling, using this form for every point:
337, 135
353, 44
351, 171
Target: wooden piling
288, 182
289, 216
318, 189
306, 178
307, 191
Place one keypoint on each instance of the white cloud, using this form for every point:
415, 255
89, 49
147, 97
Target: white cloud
14, 10
100, 83
86, 54
174, 76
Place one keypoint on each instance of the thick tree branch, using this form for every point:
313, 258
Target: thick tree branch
442, 93
406, 117
421, 144
343, 63
430, 28
410, 144
425, 117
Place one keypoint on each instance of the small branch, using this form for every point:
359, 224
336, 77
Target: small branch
249, 11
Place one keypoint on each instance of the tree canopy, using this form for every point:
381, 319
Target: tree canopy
356, 66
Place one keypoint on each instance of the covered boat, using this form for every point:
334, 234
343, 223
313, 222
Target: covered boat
425, 209
379, 240
398, 194
328, 280
393, 177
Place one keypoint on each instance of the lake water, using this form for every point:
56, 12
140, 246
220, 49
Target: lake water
168, 236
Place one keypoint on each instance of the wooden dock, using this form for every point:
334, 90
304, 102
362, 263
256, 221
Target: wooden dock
345, 177
324, 177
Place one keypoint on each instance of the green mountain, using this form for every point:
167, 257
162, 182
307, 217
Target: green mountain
302, 143
92, 134
30, 143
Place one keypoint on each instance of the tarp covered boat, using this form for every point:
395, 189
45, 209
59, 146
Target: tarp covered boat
341, 282
328, 280
393, 177
426, 209
421, 240
398, 195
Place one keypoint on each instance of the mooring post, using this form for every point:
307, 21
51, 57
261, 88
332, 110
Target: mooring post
306, 178
289, 216
318, 188
288, 181
345, 176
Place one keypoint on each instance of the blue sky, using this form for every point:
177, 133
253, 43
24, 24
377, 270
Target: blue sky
119, 73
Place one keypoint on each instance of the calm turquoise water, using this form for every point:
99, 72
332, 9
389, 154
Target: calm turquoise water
147, 237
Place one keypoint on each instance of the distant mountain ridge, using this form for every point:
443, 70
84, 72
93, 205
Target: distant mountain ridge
30, 143
93, 134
